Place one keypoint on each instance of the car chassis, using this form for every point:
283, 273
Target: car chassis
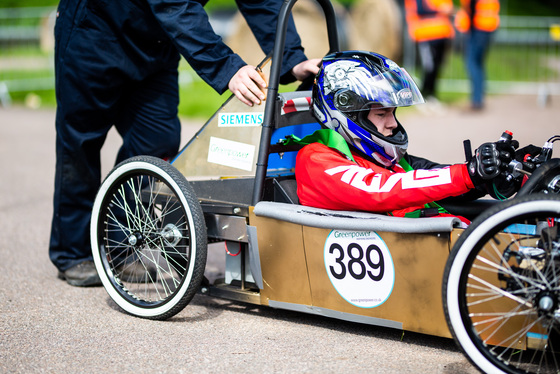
355, 266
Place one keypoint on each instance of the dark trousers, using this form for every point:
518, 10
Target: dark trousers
477, 45
432, 55
98, 86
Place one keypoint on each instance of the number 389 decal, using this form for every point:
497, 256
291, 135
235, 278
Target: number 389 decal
360, 267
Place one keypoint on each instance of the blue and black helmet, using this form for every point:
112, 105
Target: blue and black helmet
348, 84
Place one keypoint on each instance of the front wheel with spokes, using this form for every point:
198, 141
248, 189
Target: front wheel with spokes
148, 238
501, 287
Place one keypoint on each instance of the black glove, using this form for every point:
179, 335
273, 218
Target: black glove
485, 164
487, 169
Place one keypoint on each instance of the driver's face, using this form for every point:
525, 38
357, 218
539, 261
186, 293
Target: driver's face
383, 119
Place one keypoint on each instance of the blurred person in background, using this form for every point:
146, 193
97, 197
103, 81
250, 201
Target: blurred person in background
430, 26
477, 19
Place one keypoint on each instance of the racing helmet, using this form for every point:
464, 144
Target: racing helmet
348, 84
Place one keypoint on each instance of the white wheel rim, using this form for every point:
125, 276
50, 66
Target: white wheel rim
113, 293
452, 300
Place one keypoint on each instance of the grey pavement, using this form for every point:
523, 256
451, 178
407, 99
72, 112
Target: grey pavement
49, 326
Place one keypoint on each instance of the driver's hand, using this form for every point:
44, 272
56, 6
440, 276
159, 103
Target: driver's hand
506, 152
248, 85
488, 166
485, 164
306, 68
489, 161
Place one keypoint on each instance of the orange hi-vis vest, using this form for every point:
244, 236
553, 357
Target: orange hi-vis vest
423, 28
485, 18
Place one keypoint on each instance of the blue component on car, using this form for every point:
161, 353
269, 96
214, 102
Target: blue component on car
285, 164
521, 229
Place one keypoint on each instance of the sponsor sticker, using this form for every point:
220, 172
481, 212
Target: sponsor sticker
229, 153
360, 267
240, 119
405, 94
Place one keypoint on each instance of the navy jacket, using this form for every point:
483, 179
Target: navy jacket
156, 31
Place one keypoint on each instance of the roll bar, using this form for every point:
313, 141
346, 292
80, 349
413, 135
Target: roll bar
274, 80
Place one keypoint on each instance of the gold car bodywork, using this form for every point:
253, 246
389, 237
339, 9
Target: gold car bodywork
287, 259
295, 277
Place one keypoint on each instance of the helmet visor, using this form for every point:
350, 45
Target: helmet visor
387, 89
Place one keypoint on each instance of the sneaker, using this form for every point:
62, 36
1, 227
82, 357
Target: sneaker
83, 274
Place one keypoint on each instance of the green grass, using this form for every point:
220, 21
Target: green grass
47, 98
23, 51
199, 100
27, 3
510, 7
25, 74
507, 63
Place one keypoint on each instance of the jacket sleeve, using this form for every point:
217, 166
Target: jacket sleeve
422, 163
262, 18
326, 179
187, 25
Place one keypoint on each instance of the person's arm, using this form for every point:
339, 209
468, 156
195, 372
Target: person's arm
187, 25
326, 179
262, 18
422, 163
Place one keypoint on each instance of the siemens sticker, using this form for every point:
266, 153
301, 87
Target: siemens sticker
229, 153
360, 267
240, 119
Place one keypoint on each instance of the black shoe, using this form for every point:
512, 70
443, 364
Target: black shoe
83, 274
477, 107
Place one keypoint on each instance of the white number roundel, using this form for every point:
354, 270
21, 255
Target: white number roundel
360, 267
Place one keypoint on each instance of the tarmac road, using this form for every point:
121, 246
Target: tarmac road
48, 326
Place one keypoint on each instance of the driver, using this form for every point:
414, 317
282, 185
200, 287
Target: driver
359, 160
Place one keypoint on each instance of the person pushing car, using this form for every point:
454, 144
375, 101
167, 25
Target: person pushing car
116, 65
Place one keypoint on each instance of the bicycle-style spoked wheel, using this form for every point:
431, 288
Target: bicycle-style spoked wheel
148, 238
501, 287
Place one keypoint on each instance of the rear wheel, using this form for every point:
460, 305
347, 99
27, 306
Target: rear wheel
148, 238
501, 287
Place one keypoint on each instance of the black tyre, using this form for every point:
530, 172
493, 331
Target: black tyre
501, 287
544, 179
148, 238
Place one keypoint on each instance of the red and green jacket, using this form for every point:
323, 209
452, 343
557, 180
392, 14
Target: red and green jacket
329, 179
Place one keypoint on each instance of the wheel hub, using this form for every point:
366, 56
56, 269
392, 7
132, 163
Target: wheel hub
171, 234
546, 302
135, 239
